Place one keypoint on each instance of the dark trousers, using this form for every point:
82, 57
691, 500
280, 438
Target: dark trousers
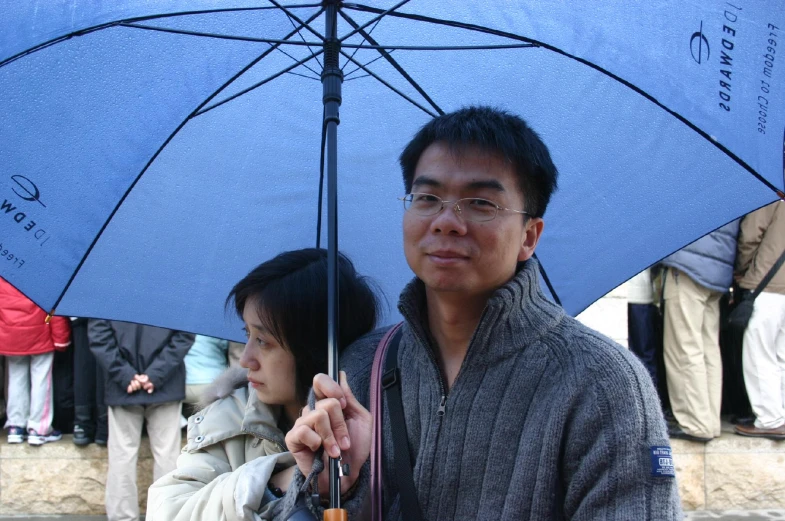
735, 401
88, 379
644, 337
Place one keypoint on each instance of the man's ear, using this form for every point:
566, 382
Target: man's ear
531, 236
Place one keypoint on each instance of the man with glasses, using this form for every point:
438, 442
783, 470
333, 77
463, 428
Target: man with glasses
513, 410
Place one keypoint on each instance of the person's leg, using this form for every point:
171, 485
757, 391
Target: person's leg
762, 375
684, 359
41, 407
84, 384
713, 361
125, 435
18, 405
163, 428
641, 336
101, 410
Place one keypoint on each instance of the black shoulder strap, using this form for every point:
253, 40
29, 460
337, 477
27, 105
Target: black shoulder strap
769, 276
391, 383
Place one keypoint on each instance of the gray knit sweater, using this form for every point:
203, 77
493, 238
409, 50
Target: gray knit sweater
546, 420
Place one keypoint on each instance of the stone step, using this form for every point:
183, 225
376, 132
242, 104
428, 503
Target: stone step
729, 473
61, 478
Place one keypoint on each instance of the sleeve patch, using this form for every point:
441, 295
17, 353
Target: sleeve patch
662, 462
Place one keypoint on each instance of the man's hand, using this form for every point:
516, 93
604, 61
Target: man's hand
340, 423
140, 381
135, 385
147, 385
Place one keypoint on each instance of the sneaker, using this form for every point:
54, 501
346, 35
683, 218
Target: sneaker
35, 439
16, 435
775, 433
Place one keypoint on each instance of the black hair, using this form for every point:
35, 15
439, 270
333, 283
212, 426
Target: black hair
290, 295
494, 131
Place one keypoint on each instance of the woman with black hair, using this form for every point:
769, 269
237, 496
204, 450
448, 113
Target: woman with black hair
245, 415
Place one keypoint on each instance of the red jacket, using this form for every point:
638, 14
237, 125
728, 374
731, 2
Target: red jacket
23, 327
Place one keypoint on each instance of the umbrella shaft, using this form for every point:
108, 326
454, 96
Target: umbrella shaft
332, 78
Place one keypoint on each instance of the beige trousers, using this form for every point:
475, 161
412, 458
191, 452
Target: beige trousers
125, 436
691, 343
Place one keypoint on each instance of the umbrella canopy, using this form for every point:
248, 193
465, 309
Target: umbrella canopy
152, 153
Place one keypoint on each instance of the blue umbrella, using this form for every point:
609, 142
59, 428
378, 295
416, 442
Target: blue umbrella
151, 153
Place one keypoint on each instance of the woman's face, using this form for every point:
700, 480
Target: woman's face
271, 367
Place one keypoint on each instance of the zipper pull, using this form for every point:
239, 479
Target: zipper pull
441, 410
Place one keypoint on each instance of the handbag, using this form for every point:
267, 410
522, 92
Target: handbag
385, 376
739, 317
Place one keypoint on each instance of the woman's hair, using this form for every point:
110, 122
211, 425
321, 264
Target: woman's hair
289, 293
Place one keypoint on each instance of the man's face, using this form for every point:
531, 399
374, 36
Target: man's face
450, 254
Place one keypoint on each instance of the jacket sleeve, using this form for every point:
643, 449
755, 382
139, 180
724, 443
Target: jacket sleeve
753, 227
204, 487
170, 357
103, 344
617, 463
61, 332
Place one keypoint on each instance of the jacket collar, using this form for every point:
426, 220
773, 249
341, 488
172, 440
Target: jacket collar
261, 420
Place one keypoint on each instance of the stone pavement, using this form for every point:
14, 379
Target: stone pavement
736, 515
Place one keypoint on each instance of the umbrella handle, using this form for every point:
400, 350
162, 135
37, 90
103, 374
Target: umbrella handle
336, 514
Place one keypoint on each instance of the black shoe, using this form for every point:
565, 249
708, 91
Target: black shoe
83, 436
101, 431
745, 421
674, 431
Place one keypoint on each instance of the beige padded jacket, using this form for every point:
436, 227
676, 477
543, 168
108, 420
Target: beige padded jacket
233, 448
761, 242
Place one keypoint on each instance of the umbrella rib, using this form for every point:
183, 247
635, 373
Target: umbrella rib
304, 75
303, 64
357, 48
193, 113
292, 15
381, 14
383, 82
357, 68
590, 64
300, 34
87, 30
257, 85
394, 63
547, 281
357, 77
215, 35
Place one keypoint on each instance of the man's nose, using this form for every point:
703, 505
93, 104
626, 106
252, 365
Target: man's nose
449, 219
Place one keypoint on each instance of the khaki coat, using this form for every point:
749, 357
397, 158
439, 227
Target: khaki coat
234, 446
761, 242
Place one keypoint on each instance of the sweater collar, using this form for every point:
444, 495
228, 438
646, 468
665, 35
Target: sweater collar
516, 315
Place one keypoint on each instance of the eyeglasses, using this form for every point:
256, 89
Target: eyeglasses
470, 208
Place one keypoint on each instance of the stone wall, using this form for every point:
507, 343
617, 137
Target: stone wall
61, 478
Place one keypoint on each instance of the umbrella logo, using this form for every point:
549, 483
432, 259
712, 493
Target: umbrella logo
30, 191
699, 46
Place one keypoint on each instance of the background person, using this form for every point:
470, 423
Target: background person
697, 276
29, 342
145, 385
205, 362
761, 242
